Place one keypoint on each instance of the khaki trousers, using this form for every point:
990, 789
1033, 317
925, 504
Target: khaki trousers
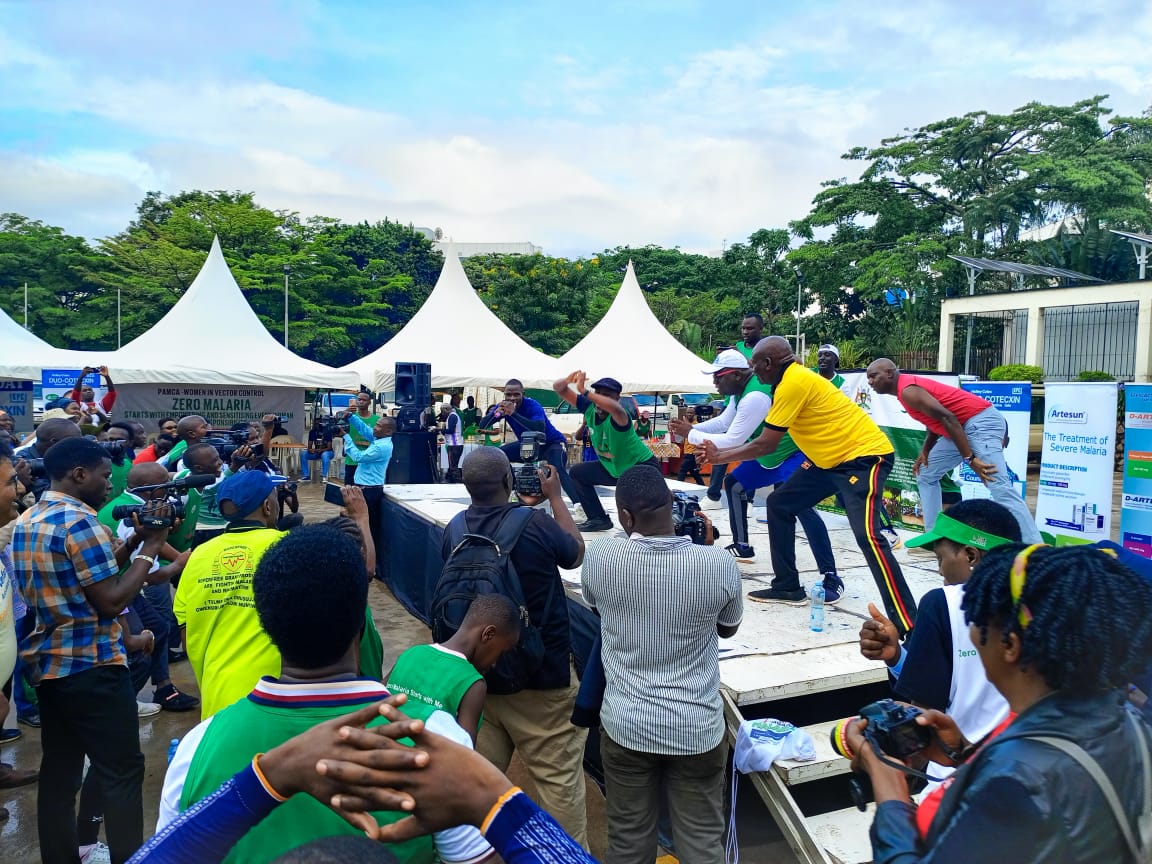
538, 725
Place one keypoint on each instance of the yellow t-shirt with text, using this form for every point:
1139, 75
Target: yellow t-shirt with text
228, 649
825, 424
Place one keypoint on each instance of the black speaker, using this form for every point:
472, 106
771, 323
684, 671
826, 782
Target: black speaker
408, 419
413, 385
413, 458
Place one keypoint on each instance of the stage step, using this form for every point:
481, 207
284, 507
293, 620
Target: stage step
843, 834
828, 763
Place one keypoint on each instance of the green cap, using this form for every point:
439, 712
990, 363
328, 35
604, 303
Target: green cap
947, 528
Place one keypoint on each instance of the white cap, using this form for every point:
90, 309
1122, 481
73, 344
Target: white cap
729, 359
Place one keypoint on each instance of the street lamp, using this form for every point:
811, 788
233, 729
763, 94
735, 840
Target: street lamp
287, 270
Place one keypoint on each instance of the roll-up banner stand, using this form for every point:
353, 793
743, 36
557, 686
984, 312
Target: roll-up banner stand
1136, 503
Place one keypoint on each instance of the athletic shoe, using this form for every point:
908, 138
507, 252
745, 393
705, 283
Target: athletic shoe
833, 589
741, 551
7, 736
707, 503
12, 777
774, 595
171, 699
32, 719
97, 853
578, 512
147, 709
176, 656
894, 540
604, 524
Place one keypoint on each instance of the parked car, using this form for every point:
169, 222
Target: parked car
685, 400
656, 408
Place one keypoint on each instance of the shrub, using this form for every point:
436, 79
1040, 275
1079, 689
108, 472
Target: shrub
1017, 372
1094, 375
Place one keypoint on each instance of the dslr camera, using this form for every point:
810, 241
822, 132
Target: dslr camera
892, 729
228, 441
525, 480
687, 521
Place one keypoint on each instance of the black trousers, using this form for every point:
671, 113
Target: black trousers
90, 713
860, 483
716, 481
374, 498
587, 476
688, 466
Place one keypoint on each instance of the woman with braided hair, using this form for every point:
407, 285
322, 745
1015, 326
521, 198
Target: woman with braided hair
1060, 632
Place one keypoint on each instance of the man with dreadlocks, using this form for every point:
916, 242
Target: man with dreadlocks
1068, 776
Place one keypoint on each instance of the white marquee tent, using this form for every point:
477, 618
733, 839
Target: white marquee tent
23, 355
632, 346
467, 345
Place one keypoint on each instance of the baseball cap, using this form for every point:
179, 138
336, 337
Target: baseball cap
608, 384
728, 359
832, 349
247, 491
947, 528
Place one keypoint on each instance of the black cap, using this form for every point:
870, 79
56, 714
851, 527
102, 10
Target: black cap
608, 384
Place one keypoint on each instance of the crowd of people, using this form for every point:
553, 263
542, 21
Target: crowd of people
121, 553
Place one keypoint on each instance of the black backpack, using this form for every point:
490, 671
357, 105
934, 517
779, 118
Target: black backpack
479, 565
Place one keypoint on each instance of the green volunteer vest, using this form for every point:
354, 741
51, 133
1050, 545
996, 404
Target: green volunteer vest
434, 677
120, 477
786, 447
243, 729
618, 451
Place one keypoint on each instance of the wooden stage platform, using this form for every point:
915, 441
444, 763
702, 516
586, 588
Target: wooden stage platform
775, 666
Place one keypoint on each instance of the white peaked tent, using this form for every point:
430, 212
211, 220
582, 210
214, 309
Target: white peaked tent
24, 355
632, 346
211, 336
467, 345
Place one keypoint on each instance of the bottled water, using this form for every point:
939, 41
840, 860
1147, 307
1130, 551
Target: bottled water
816, 622
172, 749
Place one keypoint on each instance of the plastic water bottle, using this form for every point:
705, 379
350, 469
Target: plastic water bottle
816, 621
175, 742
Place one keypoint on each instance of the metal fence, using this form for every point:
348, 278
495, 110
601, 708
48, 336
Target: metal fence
988, 339
1100, 336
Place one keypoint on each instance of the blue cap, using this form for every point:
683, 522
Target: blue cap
246, 491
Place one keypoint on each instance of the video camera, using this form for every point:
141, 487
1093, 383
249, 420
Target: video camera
525, 480
228, 441
147, 512
115, 450
334, 423
687, 521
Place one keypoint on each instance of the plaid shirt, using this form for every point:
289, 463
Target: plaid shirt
59, 547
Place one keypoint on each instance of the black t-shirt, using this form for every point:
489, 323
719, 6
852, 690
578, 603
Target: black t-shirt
322, 437
926, 678
540, 551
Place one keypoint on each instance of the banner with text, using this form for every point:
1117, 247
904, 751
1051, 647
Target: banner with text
1136, 504
901, 497
16, 399
221, 406
1074, 501
1013, 399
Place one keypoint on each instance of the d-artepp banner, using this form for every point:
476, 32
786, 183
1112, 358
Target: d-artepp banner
1074, 502
16, 399
221, 405
901, 497
1013, 399
1136, 504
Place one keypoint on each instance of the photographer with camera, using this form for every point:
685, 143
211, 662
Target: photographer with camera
73, 582
33, 474
617, 445
662, 717
1068, 777
319, 448
190, 430
742, 420
201, 505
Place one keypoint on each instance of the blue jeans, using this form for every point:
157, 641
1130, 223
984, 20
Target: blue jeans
741, 485
325, 460
985, 433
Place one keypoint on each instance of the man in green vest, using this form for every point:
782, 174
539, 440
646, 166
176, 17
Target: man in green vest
827, 362
741, 421
614, 439
318, 681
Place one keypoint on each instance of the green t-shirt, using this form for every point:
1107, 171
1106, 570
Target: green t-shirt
837, 379
745, 349
105, 514
617, 449
786, 447
359, 440
120, 476
433, 675
371, 650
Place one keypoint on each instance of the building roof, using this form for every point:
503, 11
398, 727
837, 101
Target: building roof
1018, 269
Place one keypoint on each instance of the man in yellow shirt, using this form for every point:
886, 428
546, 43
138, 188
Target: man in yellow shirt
228, 649
847, 453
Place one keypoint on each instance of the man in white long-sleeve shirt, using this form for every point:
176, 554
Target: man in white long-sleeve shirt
741, 421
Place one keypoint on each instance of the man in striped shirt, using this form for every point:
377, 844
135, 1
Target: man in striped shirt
662, 602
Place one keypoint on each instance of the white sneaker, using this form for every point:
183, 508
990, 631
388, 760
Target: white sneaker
707, 503
146, 709
97, 853
578, 513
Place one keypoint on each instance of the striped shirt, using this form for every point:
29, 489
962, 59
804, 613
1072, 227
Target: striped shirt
59, 548
660, 600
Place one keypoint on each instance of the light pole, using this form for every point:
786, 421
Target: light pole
118, 342
799, 286
287, 270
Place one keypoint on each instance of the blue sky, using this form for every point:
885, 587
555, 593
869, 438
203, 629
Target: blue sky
575, 126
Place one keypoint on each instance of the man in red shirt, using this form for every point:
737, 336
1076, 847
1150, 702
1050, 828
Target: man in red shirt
962, 427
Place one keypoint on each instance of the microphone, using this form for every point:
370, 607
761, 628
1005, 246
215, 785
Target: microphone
193, 481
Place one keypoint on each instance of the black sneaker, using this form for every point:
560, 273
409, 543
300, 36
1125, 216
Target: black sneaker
171, 699
833, 589
741, 551
176, 656
776, 595
32, 719
604, 524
